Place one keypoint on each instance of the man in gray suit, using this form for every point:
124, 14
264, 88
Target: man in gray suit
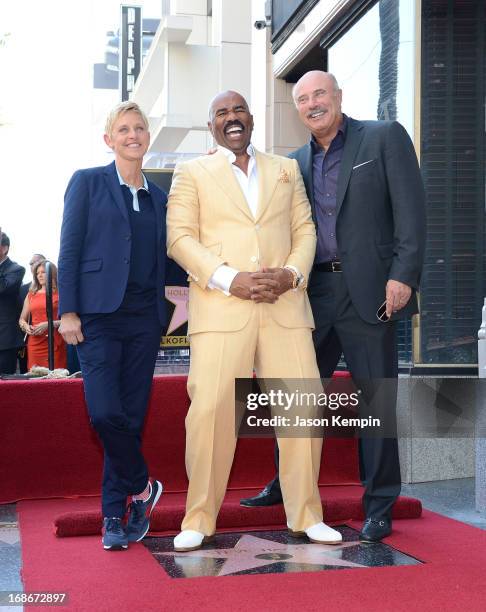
368, 203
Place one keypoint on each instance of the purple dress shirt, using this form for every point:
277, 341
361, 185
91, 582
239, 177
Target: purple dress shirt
325, 173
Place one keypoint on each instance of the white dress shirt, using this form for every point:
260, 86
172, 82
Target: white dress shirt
223, 276
134, 190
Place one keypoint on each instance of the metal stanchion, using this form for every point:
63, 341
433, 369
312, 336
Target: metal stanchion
482, 344
50, 318
481, 420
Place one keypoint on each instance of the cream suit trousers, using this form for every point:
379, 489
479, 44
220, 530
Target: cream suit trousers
217, 358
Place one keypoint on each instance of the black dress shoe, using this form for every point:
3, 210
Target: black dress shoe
375, 530
267, 497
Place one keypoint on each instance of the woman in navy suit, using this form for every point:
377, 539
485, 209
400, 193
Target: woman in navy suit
112, 307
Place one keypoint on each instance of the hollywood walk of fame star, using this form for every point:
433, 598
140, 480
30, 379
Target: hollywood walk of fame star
252, 552
177, 296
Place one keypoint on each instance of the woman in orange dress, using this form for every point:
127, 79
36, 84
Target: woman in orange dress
33, 321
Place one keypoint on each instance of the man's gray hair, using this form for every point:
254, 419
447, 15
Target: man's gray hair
329, 74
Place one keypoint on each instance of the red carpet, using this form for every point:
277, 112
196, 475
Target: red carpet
51, 451
48, 449
340, 503
452, 578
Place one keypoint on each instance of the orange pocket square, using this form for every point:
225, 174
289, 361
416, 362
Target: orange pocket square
283, 177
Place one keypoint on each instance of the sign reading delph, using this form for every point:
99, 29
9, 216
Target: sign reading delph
130, 49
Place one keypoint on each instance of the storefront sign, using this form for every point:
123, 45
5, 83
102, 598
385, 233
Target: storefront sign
130, 49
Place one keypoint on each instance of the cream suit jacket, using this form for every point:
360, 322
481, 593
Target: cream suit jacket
209, 224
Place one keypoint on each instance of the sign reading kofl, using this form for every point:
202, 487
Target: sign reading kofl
176, 287
177, 321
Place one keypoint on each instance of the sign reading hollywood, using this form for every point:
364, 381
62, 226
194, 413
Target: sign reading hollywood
178, 297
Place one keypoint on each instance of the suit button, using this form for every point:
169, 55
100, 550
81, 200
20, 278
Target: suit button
253, 258
126, 260
127, 237
257, 227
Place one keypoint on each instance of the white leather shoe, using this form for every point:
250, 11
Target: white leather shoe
320, 533
189, 540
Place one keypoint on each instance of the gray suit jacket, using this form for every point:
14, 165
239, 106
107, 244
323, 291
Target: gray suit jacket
380, 224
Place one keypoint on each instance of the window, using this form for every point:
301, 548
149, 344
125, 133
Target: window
453, 166
373, 62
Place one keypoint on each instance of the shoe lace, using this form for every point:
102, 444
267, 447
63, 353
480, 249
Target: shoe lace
113, 525
136, 511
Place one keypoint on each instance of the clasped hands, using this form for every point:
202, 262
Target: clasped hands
34, 330
263, 286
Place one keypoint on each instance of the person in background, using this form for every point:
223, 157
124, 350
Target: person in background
33, 320
112, 305
25, 287
11, 275
24, 290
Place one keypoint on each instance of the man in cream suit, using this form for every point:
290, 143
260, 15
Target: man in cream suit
239, 222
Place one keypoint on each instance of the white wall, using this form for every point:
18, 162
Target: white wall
277, 126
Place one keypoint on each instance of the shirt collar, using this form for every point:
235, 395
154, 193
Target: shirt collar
342, 129
231, 157
131, 187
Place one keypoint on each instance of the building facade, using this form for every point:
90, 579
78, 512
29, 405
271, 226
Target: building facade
421, 62
200, 47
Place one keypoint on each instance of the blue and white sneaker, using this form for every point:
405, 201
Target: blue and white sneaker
114, 534
139, 513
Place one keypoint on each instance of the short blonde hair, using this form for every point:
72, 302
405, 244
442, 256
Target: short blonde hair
121, 109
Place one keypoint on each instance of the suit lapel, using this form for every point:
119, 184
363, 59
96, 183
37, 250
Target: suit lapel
268, 169
220, 170
353, 140
113, 184
307, 169
157, 207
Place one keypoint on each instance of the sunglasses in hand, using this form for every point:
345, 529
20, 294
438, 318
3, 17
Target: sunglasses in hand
381, 313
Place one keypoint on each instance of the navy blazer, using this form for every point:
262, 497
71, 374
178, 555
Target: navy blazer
94, 255
380, 222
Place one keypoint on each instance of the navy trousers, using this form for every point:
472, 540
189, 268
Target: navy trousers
117, 359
